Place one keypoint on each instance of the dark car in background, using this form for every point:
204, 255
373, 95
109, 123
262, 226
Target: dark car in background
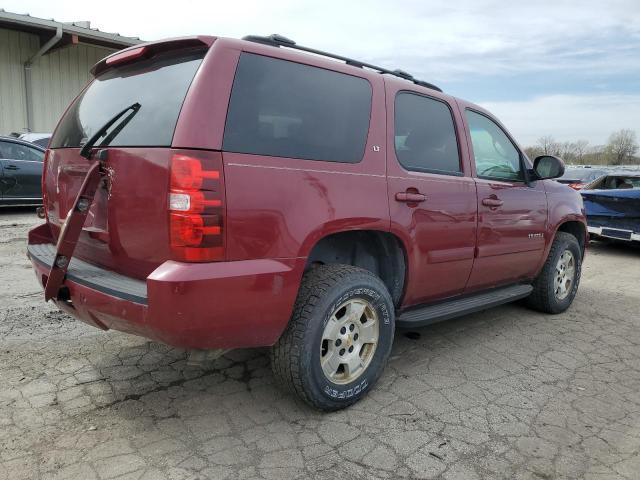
578, 177
612, 203
20, 172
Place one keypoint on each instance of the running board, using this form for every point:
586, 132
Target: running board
419, 317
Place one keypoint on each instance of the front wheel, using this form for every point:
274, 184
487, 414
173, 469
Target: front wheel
557, 284
339, 338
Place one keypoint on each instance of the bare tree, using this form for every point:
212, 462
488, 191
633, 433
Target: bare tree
622, 146
596, 155
549, 146
533, 152
568, 151
581, 149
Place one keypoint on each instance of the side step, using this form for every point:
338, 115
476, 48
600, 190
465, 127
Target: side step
421, 316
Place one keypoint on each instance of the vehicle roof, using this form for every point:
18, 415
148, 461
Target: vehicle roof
294, 55
332, 64
287, 53
21, 142
325, 62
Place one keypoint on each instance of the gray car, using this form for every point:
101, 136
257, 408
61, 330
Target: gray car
20, 172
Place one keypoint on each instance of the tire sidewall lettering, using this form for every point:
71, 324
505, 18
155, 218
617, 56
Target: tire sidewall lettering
377, 301
334, 392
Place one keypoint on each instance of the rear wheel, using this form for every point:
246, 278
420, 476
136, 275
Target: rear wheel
339, 338
557, 284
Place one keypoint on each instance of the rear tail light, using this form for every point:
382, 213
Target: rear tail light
187, 172
195, 209
577, 186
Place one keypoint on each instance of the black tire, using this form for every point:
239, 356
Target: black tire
295, 358
543, 297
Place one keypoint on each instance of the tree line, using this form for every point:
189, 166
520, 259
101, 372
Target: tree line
621, 149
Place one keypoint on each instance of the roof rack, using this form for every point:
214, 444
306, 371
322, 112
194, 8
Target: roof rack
276, 40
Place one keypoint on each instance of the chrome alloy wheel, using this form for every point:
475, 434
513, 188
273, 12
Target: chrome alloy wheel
349, 341
564, 275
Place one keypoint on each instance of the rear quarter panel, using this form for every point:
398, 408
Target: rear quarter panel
280, 207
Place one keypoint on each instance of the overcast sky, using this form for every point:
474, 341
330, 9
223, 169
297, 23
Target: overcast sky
570, 69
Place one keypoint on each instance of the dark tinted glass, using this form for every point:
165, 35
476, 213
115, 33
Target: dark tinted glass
286, 109
159, 84
425, 136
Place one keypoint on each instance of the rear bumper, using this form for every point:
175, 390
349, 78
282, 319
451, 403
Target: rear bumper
197, 305
92, 276
615, 233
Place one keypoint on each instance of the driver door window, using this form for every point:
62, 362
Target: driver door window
495, 156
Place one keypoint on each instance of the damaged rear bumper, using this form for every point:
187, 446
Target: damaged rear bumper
189, 305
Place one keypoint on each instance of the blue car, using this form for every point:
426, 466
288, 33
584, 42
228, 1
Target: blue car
612, 203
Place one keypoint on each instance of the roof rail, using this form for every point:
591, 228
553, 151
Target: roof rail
276, 40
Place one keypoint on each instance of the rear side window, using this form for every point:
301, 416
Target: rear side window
286, 109
425, 137
159, 84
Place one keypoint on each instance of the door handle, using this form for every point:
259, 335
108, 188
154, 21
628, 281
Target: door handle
492, 202
410, 197
12, 167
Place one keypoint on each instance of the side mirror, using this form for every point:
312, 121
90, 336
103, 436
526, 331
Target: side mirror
548, 166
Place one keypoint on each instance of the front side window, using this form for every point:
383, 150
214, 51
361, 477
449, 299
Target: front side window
425, 137
495, 155
16, 151
286, 109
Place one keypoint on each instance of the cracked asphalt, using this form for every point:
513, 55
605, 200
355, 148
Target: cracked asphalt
505, 393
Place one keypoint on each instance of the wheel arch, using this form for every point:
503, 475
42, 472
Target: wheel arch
377, 251
576, 228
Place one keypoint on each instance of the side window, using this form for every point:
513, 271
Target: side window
286, 109
425, 136
495, 156
35, 155
16, 151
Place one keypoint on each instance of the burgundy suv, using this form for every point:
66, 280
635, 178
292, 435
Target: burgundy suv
213, 193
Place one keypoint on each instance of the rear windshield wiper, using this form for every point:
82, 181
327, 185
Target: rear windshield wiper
86, 148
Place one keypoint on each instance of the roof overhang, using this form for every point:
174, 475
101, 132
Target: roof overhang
72, 33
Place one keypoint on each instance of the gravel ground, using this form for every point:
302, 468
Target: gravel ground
506, 393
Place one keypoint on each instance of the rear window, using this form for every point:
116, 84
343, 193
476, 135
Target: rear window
285, 109
159, 84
